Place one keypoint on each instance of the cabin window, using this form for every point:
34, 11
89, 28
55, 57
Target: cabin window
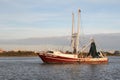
50, 52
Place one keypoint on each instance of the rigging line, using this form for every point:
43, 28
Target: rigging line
98, 45
86, 46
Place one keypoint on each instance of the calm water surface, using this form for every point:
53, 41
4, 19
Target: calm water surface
32, 68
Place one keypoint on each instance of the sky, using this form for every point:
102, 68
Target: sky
20, 19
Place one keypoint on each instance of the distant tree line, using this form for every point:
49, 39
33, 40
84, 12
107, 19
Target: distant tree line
116, 53
17, 53
32, 53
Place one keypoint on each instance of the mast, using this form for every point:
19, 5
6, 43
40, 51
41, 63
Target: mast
75, 35
73, 23
78, 31
72, 39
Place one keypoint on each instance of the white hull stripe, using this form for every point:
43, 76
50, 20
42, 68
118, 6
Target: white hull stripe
62, 59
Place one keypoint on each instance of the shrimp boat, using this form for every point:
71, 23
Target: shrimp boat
56, 56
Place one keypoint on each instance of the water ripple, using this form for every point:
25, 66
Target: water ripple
32, 68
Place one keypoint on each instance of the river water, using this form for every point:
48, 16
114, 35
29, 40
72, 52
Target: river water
32, 68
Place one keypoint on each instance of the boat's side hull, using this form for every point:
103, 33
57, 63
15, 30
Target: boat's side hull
93, 60
59, 59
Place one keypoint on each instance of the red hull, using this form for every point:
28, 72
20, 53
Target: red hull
59, 59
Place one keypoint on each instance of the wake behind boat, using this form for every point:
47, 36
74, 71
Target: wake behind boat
53, 56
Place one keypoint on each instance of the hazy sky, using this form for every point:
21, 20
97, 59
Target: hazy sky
45, 18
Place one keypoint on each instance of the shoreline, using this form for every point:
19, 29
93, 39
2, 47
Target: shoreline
18, 54
33, 54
